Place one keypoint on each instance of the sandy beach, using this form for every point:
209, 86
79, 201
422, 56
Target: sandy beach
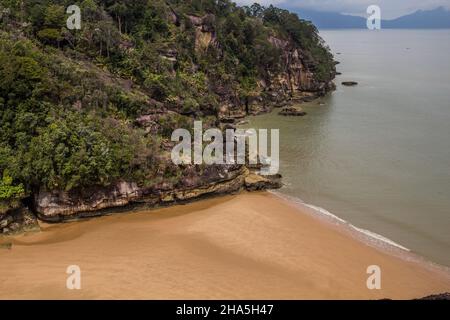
248, 246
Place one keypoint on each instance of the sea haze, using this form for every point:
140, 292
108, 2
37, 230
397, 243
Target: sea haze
438, 18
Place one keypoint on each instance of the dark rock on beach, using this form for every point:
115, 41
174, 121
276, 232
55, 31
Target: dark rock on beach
57, 206
442, 296
17, 221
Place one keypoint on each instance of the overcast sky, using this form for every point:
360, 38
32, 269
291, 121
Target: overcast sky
389, 8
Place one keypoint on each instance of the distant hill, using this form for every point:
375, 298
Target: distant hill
331, 20
433, 19
438, 18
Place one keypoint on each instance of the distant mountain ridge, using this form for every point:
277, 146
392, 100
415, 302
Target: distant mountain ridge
438, 18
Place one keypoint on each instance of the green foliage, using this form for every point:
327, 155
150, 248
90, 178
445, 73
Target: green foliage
8, 191
45, 141
49, 36
84, 150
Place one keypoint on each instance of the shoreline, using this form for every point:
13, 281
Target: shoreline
365, 236
246, 246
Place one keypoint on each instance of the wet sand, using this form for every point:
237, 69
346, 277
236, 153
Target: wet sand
249, 246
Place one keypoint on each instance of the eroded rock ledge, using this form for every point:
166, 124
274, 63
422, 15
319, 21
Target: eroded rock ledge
56, 206
59, 206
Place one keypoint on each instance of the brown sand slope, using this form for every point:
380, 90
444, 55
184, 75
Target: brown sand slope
248, 246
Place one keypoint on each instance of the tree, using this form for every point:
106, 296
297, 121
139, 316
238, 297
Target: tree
50, 36
8, 191
10, 195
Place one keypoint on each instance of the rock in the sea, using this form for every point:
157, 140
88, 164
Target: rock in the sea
350, 83
293, 111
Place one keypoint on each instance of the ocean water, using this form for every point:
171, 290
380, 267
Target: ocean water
378, 154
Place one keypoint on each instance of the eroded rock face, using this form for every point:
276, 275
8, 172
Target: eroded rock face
228, 183
254, 182
297, 75
56, 206
5, 221
296, 82
205, 34
17, 221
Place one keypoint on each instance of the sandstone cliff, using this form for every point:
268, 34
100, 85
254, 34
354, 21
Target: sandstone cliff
296, 82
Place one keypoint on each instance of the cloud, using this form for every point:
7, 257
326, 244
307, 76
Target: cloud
390, 8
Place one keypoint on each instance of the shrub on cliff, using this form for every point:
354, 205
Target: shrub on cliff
8, 191
45, 141
10, 194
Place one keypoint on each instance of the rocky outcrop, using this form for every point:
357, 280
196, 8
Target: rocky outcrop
296, 82
298, 72
14, 218
254, 182
205, 34
52, 205
17, 221
293, 111
57, 206
5, 221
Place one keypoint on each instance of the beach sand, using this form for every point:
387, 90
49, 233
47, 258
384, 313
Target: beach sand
248, 246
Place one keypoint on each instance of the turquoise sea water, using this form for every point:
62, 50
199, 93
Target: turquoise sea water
378, 154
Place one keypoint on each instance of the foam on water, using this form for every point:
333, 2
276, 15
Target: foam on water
368, 235
378, 237
324, 212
